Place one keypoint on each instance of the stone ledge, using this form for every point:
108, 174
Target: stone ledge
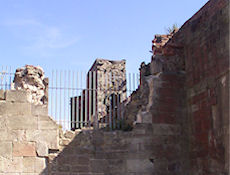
17, 96
39, 109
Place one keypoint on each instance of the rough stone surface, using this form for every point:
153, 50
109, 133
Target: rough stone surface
109, 78
31, 79
180, 115
24, 149
26, 137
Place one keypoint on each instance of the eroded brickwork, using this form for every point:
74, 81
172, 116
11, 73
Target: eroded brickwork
180, 115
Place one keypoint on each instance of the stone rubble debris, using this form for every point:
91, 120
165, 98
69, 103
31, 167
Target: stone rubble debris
32, 79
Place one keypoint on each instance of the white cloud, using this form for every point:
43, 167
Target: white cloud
39, 38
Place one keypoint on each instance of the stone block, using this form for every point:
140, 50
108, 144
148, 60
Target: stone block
28, 165
15, 108
99, 166
16, 135
140, 166
13, 166
42, 149
20, 96
117, 166
45, 122
22, 122
33, 164
39, 110
25, 149
2, 94
6, 150
50, 137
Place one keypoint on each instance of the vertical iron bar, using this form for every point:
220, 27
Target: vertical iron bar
97, 99
51, 89
110, 101
81, 119
6, 77
64, 98
105, 91
134, 87
78, 103
114, 110
94, 98
86, 101
60, 107
1, 78
9, 78
90, 96
73, 114
56, 98
69, 124
130, 88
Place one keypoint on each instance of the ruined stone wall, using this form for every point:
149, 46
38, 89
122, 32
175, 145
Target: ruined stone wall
188, 82
32, 79
205, 38
180, 115
203, 44
97, 152
111, 82
27, 134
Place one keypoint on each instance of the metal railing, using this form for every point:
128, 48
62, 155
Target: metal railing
80, 99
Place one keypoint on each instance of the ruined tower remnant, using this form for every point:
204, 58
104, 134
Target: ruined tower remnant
105, 90
32, 79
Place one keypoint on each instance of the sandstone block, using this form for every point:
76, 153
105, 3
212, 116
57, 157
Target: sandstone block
50, 137
41, 149
6, 150
28, 165
39, 109
13, 166
20, 96
45, 122
2, 94
25, 149
22, 122
15, 108
16, 135
33, 164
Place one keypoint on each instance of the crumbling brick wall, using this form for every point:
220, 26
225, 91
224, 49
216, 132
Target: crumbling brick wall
206, 47
189, 73
182, 105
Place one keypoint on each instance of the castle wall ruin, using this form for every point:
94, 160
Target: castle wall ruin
180, 115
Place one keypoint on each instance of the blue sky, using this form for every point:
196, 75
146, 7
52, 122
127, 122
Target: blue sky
71, 34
